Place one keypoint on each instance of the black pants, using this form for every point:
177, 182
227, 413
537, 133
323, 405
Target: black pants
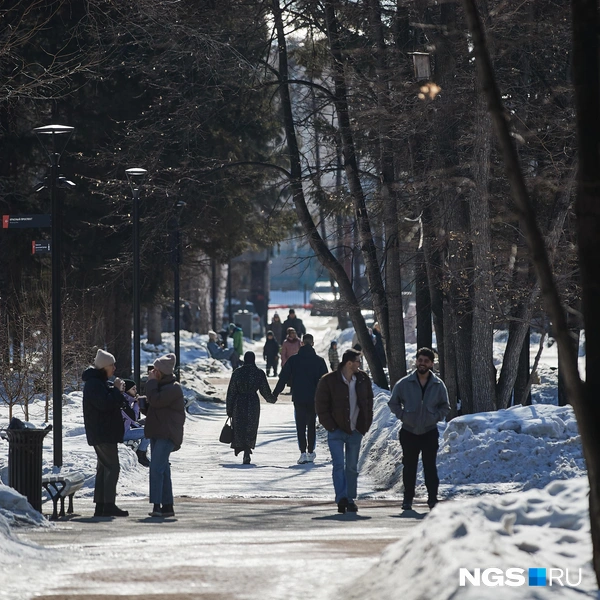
412, 446
107, 473
305, 422
272, 363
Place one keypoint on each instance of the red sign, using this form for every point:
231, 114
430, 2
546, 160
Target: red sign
5, 220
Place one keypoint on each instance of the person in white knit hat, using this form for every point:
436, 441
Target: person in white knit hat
164, 429
104, 429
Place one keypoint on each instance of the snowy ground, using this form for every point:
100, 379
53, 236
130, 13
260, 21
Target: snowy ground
513, 481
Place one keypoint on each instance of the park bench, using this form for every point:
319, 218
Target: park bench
60, 487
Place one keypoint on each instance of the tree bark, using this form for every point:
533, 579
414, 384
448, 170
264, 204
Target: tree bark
155, 324
317, 243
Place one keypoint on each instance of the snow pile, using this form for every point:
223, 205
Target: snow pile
547, 528
506, 450
15, 510
527, 446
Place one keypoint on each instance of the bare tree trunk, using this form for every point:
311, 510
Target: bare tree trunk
586, 71
317, 243
394, 341
222, 272
483, 373
367, 244
155, 324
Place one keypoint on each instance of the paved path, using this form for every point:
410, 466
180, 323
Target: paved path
216, 549
266, 531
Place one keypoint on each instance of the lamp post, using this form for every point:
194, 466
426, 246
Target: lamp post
136, 178
176, 260
54, 139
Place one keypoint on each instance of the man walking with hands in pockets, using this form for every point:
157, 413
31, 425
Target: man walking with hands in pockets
420, 400
344, 404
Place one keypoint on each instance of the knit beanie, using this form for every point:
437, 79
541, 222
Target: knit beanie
165, 364
103, 359
212, 335
129, 383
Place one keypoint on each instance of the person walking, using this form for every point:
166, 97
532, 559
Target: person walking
290, 346
236, 332
276, 327
164, 428
271, 353
295, 322
305, 369
378, 343
334, 357
420, 401
344, 405
104, 429
243, 404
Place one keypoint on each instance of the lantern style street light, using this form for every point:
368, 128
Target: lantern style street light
136, 178
54, 139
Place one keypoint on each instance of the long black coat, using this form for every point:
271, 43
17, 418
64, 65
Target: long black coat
101, 409
297, 324
243, 405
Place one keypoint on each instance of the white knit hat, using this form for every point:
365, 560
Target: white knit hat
103, 359
165, 364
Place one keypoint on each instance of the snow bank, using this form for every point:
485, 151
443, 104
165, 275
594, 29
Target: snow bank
541, 528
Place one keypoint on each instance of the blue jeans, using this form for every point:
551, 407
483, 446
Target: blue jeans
344, 450
161, 489
137, 433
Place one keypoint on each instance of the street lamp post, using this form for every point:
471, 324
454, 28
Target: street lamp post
54, 139
176, 260
136, 178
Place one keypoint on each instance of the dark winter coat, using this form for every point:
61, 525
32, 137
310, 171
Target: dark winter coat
379, 347
271, 348
277, 328
102, 403
332, 402
304, 369
243, 404
297, 324
166, 410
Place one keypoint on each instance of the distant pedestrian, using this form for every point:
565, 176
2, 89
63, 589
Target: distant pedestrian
290, 346
334, 357
235, 331
164, 428
305, 369
104, 429
378, 343
271, 353
243, 404
295, 322
276, 327
420, 401
344, 405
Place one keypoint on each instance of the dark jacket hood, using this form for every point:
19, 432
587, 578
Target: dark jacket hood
93, 373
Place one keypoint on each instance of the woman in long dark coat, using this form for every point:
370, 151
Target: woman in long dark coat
243, 404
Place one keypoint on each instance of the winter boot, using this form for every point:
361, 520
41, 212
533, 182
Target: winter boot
343, 505
167, 510
112, 510
142, 458
99, 512
156, 511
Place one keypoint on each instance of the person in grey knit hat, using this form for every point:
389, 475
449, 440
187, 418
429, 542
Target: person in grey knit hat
164, 429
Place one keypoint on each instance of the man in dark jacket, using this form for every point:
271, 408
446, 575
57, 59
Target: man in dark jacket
295, 323
344, 404
420, 400
104, 429
304, 370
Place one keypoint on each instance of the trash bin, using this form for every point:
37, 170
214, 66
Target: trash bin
25, 447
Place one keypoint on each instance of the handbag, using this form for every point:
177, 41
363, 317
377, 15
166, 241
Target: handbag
226, 436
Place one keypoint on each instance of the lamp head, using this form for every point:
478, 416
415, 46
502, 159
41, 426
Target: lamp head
54, 139
136, 178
